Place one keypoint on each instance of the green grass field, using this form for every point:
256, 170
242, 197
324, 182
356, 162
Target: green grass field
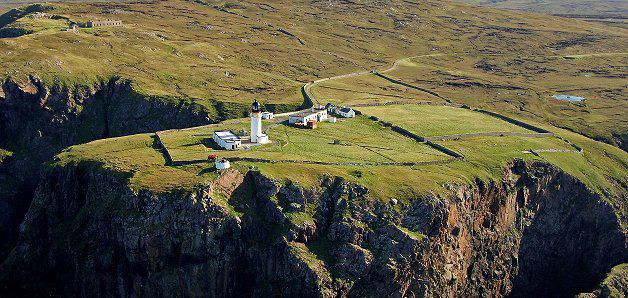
523, 87
361, 141
225, 53
137, 158
366, 89
504, 61
601, 167
429, 121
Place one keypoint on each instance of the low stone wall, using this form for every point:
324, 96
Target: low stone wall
572, 144
416, 137
488, 134
407, 102
328, 163
513, 121
169, 160
535, 151
390, 79
445, 150
500, 116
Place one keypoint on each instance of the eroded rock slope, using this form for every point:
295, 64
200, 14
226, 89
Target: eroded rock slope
536, 232
37, 121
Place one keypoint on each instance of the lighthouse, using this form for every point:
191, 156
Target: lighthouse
256, 122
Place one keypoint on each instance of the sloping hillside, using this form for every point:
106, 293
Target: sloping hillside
578, 7
610, 12
365, 206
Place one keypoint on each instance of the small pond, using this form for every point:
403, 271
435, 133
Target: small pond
568, 97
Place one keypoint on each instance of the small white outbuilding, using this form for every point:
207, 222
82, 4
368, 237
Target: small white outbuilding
346, 112
227, 139
268, 115
222, 164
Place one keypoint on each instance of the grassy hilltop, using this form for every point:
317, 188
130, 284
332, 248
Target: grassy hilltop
581, 7
454, 107
212, 52
611, 12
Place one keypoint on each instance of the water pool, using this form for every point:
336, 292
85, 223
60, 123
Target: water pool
568, 97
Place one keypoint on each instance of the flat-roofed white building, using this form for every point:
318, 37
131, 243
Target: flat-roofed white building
227, 139
314, 114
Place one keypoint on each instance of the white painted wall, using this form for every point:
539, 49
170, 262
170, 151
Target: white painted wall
256, 126
222, 164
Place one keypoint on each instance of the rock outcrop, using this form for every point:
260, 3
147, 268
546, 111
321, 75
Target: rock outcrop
537, 232
614, 285
37, 121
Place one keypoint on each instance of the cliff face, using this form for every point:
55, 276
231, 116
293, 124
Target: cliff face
536, 232
37, 121
47, 118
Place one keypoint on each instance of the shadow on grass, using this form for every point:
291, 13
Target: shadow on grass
206, 171
211, 144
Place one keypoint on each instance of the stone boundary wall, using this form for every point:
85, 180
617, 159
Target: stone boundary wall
312, 162
311, 101
578, 148
500, 116
536, 151
513, 121
392, 103
169, 160
390, 79
444, 149
488, 134
416, 137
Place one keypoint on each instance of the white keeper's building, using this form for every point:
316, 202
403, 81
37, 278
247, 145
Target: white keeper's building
346, 112
227, 139
314, 114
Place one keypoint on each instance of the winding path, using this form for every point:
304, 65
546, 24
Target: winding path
313, 101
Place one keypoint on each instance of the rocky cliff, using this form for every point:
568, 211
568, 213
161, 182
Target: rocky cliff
38, 120
536, 232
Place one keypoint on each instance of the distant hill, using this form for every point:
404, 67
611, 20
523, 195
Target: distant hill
612, 12
9, 4
580, 7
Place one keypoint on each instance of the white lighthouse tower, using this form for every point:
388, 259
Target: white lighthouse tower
256, 124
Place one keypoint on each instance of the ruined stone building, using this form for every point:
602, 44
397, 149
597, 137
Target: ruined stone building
103, 23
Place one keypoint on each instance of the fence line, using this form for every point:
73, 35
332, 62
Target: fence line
312, 162
390, 79
536, 151
514, 121
408, 102
414, 136
488, 134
